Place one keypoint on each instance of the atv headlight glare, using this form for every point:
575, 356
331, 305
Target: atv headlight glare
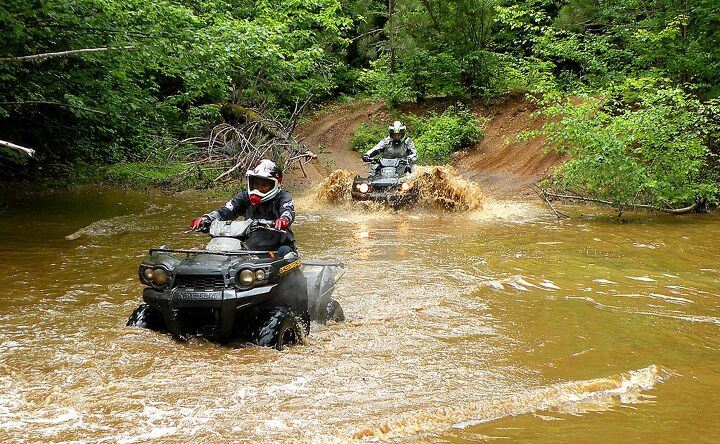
406, 186
159, 276
363, 187
260, 275
245, 278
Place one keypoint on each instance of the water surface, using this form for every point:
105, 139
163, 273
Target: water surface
462, 327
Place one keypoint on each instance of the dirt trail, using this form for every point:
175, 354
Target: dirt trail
328, 134
501, 169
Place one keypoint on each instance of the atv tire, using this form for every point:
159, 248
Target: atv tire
281, 327
335, 311
146, 316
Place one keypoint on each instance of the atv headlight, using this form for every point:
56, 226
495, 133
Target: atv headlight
245, 278
159, 276
363, 187
406, 186
156, 277
260, 275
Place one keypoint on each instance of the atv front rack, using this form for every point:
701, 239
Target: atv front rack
220, 253
245, 253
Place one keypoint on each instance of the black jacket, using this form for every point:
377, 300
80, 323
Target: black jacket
282, 205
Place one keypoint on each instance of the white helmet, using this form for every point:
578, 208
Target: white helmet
267, 176
397, 132
397, 127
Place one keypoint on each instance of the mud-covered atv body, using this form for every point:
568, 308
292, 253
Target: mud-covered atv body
228, 291
391, 183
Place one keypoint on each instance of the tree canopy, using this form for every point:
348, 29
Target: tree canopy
103, 81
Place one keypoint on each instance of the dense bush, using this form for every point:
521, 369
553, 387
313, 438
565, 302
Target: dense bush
641, 142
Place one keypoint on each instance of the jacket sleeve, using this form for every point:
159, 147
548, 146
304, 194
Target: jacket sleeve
233, 208
379, 148
411, 151
286, 206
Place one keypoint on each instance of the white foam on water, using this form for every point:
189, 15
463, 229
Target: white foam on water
641, 278
549, 284
673, 299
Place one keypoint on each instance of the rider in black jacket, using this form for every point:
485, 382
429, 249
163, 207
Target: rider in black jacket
263, 199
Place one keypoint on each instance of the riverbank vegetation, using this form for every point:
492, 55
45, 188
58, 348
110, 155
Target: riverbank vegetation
630, 89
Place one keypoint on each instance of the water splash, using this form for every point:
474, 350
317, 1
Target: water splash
443, 187
336, 187
438, 187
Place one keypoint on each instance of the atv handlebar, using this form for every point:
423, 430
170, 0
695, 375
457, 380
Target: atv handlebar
257, 224
376, 160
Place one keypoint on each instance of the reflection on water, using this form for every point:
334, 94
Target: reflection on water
462, 327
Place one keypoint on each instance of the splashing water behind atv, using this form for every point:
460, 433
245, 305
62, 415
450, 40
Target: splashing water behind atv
442, 186
336, 187
438, 187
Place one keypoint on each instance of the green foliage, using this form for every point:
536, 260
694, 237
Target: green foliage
367, 135
435, 136
173, 61
643, 142
441, 135
394, 87
641, 65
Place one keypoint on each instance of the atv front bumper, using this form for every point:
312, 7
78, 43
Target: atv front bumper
225, 304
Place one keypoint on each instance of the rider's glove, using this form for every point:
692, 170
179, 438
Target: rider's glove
365, 158
282, 223
200, 223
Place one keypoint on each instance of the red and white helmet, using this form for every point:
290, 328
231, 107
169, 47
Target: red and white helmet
264, 181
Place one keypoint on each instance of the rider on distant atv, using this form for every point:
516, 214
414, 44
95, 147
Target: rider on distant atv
396, 146
263, 199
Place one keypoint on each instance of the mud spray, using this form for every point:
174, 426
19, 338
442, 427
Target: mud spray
438, 187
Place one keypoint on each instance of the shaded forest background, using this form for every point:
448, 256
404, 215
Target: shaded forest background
630, 87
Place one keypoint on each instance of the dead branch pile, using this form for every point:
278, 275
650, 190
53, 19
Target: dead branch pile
231, 149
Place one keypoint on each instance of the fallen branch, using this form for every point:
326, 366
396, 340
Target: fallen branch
541, 193
12, 146
50, 55
685, 210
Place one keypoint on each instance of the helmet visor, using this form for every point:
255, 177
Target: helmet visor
260, 184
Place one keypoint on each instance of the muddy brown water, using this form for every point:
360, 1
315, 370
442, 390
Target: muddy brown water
503, 323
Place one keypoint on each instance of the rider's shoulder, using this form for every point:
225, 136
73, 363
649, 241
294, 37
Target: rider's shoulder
283, 194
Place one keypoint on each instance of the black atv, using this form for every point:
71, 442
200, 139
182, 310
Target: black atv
390, 183
228, 291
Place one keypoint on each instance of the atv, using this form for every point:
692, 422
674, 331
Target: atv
228, 291
388, 181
